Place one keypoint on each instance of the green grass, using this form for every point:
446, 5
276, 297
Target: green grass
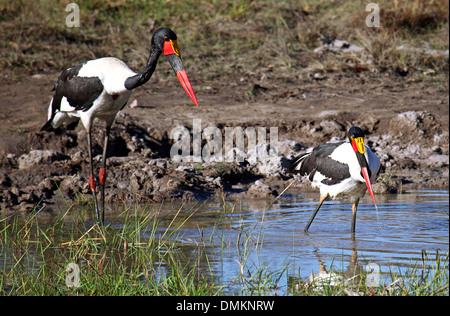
143, 252
112, 261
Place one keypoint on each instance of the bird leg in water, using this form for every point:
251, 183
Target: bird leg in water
102, 172
91, 177
322, 199
354, 207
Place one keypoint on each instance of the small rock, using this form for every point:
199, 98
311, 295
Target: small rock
289, 148
47, 185
135, 183
318, 76
134, 104
438, 161
339, 46
384, 188
36, 157
330, 127
259, 189
73, 185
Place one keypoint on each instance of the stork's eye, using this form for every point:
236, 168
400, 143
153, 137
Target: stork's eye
166, 39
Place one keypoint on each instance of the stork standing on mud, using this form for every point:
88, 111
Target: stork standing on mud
338, 169
100, 88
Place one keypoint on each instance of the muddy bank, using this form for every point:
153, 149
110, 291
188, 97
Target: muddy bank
412, 146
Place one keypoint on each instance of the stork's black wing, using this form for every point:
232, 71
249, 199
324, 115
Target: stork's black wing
319, 160
80, 92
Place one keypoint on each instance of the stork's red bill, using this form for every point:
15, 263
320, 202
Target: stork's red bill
359, 146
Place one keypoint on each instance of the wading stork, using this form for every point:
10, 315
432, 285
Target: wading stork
340, 169
100, 88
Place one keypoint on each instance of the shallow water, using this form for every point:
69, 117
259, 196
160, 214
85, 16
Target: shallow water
257, 238
395, 236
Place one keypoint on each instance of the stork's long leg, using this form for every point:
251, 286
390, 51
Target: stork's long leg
92, 183
322, 199
102, 173
354, 207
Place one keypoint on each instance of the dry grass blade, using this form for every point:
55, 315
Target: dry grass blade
96, 227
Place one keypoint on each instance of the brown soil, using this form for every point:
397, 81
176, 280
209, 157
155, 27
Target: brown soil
406, 122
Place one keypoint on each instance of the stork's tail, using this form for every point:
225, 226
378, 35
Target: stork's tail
296, 164
47, 126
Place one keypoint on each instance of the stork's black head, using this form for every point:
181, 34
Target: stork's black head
165, 41
355, 132
356, 137
162, 36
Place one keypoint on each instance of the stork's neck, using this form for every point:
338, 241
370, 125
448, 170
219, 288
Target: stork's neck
144, 76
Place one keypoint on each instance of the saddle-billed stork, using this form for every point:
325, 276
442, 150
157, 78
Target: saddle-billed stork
340, 169
100, 88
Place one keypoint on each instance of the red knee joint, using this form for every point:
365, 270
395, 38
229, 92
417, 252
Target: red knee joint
92, 183
102, 175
